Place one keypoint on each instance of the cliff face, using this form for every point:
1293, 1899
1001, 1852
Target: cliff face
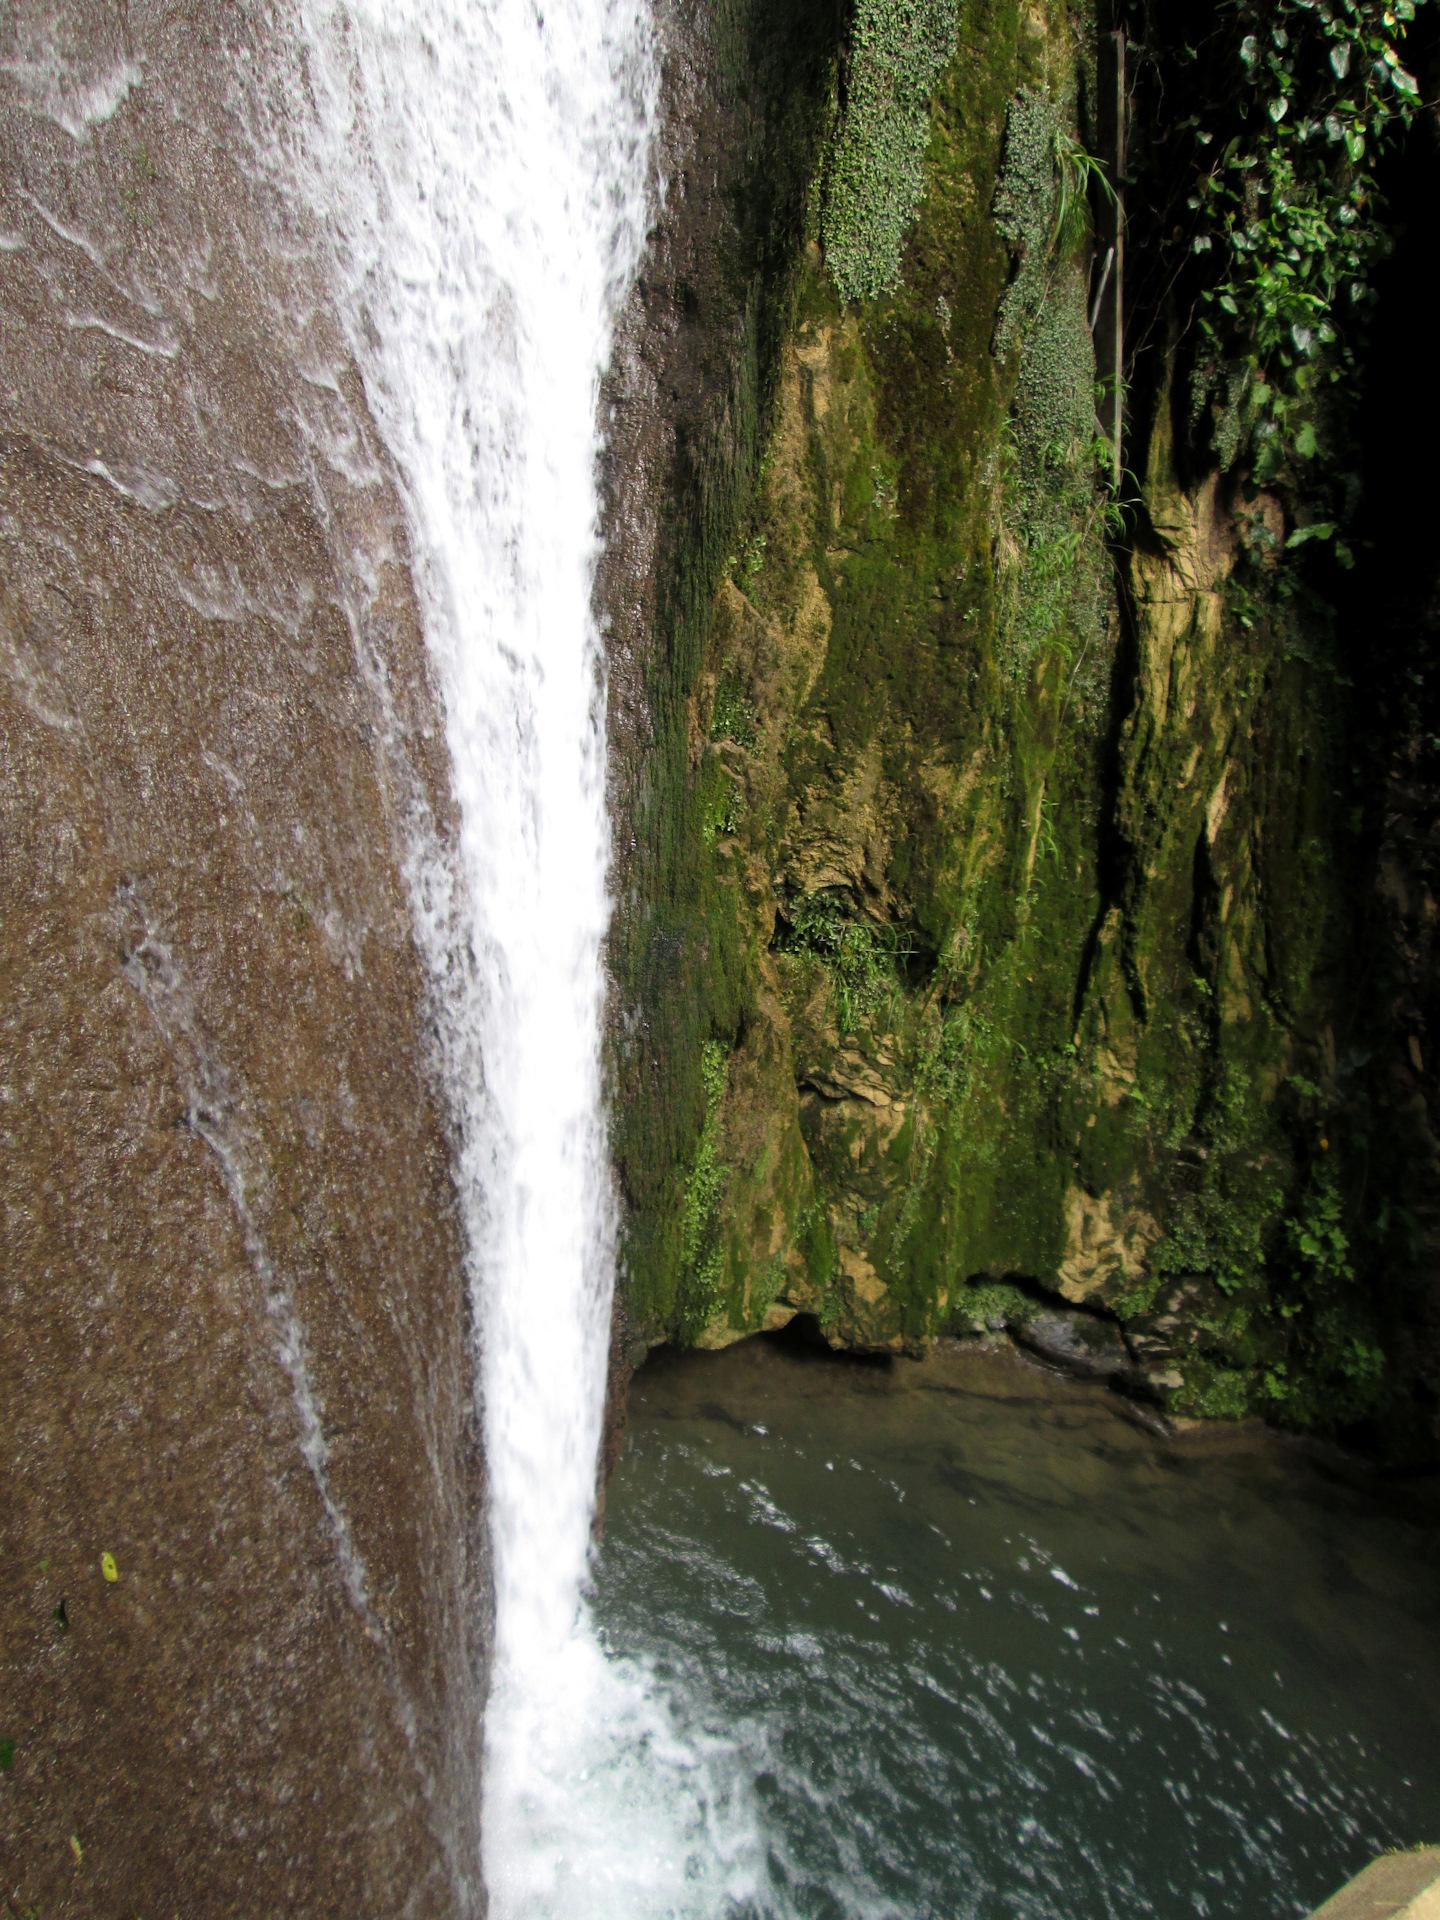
235, 1345
1023, 979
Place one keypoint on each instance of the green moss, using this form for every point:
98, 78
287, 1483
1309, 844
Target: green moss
996, 960
701, 1255
678, 952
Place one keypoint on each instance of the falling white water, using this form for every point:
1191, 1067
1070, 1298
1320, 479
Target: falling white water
481, 171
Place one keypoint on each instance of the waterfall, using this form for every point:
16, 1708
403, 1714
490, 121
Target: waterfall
481, 173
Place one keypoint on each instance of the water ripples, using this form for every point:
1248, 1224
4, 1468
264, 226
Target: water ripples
934, 1710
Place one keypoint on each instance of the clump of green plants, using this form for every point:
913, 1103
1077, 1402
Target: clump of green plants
992, 1304
1288, 220
1052, 563
1078, 173
1334, 1370
865, 961
947, 1053
1219, 1233
1214, 1391
723, 809
732, 717
874, 172
701, 1254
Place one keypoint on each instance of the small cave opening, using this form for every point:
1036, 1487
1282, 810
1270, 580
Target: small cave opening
804, 1336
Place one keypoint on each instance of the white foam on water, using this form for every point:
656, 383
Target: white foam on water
481, 171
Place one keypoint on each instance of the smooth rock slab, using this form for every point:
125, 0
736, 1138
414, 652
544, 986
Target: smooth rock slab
1397, 1886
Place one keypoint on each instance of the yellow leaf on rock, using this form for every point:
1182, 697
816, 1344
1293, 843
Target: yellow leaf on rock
108, 1566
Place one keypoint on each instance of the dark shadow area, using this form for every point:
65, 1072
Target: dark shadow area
803, 1337
1387, 634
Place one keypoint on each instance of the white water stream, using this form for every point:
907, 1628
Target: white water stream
482, 172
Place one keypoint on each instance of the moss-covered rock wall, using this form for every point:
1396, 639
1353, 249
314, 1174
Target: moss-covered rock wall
1006, 954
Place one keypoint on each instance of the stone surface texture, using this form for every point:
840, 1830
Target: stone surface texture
996, 909
235, 1348
1397, 1886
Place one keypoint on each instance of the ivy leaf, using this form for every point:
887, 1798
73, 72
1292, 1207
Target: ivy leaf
1228, 303
1305, 447
1404, 82
1340, 58
1321, 529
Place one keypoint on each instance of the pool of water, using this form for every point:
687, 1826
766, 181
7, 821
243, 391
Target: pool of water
957, 1638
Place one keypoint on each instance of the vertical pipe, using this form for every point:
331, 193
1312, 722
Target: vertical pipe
1109, 329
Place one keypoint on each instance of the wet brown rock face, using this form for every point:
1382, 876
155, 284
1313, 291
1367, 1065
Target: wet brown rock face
744, 105
234, 1327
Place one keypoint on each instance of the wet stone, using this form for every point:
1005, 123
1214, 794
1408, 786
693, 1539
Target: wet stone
1081, 1343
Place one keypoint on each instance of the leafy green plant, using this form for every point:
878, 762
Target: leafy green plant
1077, 171
729, 814
745, 567
865, 961
1290, 214
732, 717
1335, 1370
947, 1053
1316, 1237
1046, 843
874, 171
